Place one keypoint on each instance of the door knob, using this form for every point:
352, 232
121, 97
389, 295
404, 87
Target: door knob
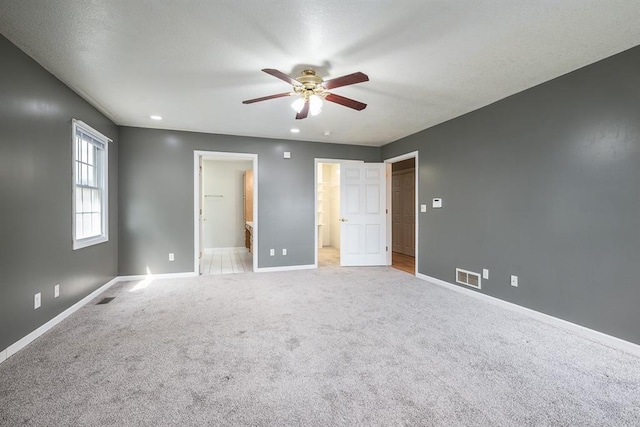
343, 220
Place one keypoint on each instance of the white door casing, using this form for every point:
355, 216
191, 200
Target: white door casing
198, 197
363, 214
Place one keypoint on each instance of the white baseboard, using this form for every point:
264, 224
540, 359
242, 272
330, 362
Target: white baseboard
285, 268
157, 276
591, 334
581, 330
24, 341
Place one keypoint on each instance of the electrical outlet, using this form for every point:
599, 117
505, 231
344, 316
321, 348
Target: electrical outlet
514, 280
172, 257
272, 252
485, 274
56, 291
37, 300
284, 252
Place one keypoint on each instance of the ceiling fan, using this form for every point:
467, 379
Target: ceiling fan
311, 90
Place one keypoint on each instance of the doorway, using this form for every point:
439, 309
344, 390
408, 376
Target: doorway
351, 219
225, 193
328, 213
402, 187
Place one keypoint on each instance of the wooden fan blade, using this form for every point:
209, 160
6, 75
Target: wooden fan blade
304, 112
282, 76
264, 98
347, 102
349, 79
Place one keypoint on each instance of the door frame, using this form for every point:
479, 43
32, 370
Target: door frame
198, 156
389, 162
315, 199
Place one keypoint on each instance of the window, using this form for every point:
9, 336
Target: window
90, 193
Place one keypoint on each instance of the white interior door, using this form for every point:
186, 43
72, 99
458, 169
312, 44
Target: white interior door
363, 214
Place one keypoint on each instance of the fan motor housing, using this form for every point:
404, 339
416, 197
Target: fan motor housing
309, 79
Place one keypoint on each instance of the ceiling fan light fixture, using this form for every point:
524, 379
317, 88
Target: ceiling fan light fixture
311, 90
297, 105
315, 105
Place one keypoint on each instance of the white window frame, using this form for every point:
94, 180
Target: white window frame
102, 184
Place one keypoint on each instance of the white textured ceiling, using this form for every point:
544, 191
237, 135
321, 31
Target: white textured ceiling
194, 62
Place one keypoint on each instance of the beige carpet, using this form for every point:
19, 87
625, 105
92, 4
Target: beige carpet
326, 347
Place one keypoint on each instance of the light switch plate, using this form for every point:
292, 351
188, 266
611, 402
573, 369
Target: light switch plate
514, 281
423, 208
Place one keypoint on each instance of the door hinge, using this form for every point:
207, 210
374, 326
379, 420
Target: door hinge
386, 211
200, 211
387, 248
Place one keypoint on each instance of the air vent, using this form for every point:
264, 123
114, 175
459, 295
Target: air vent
468, 278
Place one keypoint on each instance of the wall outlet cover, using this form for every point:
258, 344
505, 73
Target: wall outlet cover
56, 291
172, 256
272, 252
284, 252
514, 281
37, 300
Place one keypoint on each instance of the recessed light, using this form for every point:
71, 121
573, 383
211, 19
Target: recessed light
327, 133
295, 130
154, 117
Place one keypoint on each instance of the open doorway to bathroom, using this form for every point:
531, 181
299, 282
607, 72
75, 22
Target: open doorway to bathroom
225, 213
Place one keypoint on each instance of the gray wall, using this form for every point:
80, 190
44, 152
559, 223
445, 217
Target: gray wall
544, 185
35, 197
156, 196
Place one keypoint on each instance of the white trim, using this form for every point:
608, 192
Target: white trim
286, 268
585, 332
600, 337
213, 155
158, 276
29, 338
104, 177
389, 162
97, 134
